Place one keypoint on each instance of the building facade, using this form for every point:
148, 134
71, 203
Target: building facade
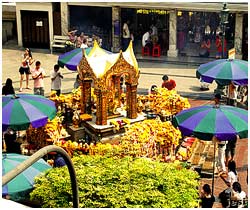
181, 26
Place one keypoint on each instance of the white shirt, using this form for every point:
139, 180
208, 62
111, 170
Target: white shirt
56, 83
231, 178
126, 32
145, 37
84, 46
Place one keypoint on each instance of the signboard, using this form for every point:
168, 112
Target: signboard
39, 23
231, 53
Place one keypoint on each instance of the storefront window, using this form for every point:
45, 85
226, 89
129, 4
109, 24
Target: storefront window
92, 21
194, 27
142, 20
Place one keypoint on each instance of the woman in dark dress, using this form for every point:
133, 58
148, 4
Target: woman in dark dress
8, 88
207, 199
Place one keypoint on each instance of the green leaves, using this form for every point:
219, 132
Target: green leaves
120, 183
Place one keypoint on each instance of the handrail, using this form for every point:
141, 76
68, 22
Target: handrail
35, 157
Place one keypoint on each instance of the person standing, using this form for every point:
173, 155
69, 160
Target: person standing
230, 149
27, 60
218, 43
125, 35
56, 78
221, 145
8, 88
38, 74
232, 94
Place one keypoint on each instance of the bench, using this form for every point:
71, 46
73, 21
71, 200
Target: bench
59, 42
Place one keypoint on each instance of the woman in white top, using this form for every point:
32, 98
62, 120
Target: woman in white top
232, 175
27, 60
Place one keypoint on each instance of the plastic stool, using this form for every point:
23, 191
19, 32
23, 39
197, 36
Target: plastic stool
145, 51
156, 51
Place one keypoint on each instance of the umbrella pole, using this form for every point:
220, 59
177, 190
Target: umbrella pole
213, 166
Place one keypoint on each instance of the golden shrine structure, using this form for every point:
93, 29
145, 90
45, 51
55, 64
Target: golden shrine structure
104, 71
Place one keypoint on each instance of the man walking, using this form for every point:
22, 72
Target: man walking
38, 74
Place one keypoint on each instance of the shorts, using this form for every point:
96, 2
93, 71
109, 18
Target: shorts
23, 70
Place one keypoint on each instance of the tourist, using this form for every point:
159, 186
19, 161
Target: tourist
237, 196
38, 74
27, 60
217, 99
232, 94
125, 35
207, 199
80, 40
153, 89
221, 155
10, 137
8, 88
72, 37
56, 78
59, 161
218, 43
230, 149
84, 44
205, 47
231, 176
147, 41
168, 83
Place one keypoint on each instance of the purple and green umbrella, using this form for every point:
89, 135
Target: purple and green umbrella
223, 71
23, 110
72, 58
205, 122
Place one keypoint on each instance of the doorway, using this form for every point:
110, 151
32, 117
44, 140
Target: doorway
35, 29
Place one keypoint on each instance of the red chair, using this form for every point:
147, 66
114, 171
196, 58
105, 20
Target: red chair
145, 51
156, 51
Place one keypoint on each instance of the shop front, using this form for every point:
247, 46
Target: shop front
141, 20
195, 27
92, 21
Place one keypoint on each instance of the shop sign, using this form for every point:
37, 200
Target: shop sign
148, 11
39, 23
231, 53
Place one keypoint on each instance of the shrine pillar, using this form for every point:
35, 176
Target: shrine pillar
131, 101
101, 107
86, 97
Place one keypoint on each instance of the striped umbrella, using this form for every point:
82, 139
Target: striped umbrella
224, 71
205, 122
19, 111
72, 58
25, 180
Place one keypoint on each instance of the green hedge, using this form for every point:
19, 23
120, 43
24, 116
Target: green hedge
120, 183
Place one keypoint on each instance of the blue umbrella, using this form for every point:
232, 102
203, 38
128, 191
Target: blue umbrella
25, 180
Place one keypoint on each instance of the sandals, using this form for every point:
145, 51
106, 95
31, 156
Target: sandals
28, 88
21, 90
